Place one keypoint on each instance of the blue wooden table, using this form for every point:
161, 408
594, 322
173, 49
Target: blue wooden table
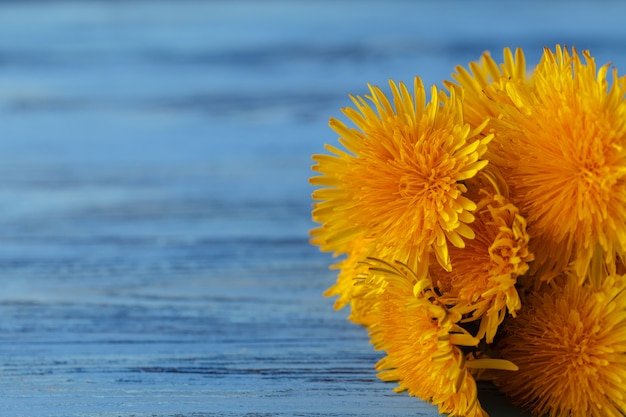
154, 205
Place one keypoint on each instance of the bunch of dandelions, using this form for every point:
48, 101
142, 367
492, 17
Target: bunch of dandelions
482, 233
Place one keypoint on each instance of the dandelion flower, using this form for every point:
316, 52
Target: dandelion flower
484, 273
569, 342
564, 142
398, 181
423, 341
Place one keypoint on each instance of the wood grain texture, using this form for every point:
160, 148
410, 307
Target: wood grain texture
154, 204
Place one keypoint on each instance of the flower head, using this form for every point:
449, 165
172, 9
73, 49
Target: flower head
564, 142
482, 283
423, 340
398, 181
569, 342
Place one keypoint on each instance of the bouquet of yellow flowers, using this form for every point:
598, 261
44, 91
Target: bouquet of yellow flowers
481, 230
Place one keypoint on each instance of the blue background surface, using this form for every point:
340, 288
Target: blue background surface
154, 204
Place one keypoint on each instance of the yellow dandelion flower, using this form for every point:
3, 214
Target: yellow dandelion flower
569, 342
422, 339
398, 181
484, 273
564, 142
484, 84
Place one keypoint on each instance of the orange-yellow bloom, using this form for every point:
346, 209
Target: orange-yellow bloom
482, 283
569, 342
422, 339
563, 140
398, 181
